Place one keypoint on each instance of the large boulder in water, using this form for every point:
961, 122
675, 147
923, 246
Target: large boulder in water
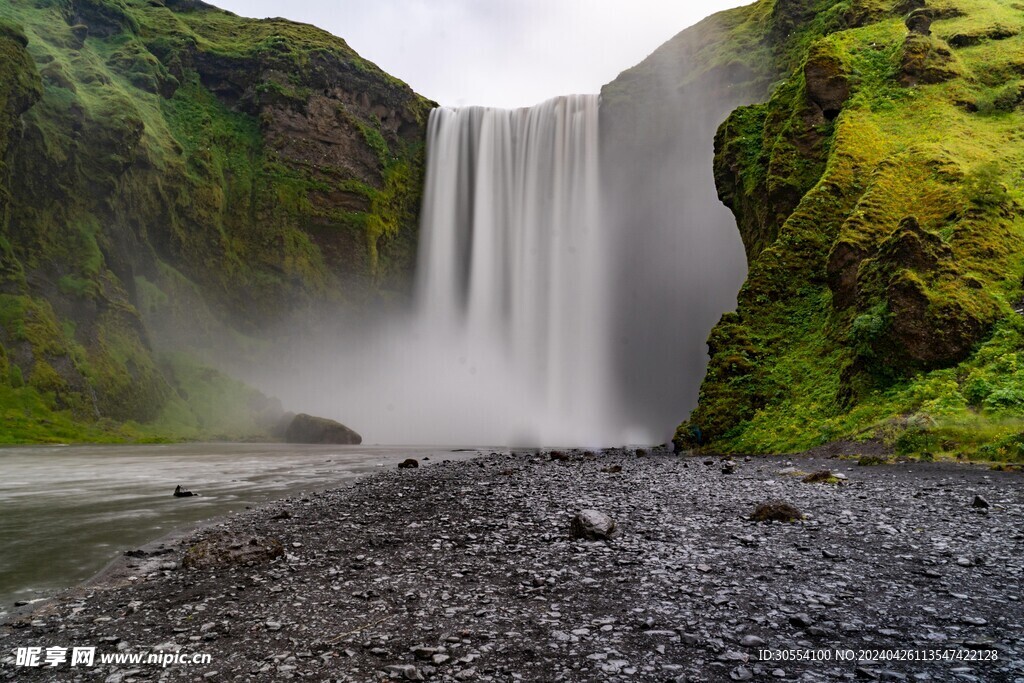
310, 429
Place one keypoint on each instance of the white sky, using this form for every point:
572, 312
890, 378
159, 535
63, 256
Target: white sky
502, 53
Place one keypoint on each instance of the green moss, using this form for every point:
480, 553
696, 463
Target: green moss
885, 252
210, 405
150, 193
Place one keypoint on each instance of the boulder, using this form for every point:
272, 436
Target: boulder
592, 525
180, 492
409, 464
309, 429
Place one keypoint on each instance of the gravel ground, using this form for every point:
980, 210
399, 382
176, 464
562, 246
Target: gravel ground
466, 571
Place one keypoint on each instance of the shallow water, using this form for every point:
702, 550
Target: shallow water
65, 512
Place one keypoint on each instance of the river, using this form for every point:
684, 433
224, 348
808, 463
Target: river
67, 511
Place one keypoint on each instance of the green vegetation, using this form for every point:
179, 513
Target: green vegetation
175, 177
878, 194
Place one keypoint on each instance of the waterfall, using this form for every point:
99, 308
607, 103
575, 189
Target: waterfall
558, 301
512, 269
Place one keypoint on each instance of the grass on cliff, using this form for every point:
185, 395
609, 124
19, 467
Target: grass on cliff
947, 153
128, 151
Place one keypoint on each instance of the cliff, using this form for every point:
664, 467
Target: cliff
878, 192
170, 175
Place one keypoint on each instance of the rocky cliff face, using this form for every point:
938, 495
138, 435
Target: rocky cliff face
878, 194
676, 249
172, 173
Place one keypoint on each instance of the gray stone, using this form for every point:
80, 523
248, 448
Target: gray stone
592, 526
751, 641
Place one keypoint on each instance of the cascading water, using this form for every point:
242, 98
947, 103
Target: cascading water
558, 301
512, 261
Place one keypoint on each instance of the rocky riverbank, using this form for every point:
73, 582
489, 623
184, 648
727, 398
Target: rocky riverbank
465, 571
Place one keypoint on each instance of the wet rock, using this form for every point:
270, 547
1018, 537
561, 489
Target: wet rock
980, 503
821, 477
592, 525
741, 673
729, 467
313, 430
180, 492
229, 550
406, 672
751, 641
801, 620
409, 464
777, 511
464, 575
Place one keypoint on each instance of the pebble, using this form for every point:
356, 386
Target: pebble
468, 572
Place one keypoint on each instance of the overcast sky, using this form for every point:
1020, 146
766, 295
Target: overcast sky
502, 53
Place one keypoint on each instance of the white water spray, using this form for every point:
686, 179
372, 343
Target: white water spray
512, 271
558, 301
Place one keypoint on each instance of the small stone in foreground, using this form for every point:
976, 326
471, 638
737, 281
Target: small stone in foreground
592, 526
752, 641
777, 511
981, 503
409, 464
801, 620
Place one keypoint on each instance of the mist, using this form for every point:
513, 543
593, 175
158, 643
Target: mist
572, 260
548, 310
679, 259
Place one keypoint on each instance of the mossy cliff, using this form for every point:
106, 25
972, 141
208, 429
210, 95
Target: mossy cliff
878, 192
171, 173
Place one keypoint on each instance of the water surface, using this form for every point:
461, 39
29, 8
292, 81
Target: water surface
65, 512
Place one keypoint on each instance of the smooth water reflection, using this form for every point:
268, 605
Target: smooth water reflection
65, 512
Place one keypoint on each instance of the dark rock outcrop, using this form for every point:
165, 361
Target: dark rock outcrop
309, 429
927, 61
920, 22
828, 84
